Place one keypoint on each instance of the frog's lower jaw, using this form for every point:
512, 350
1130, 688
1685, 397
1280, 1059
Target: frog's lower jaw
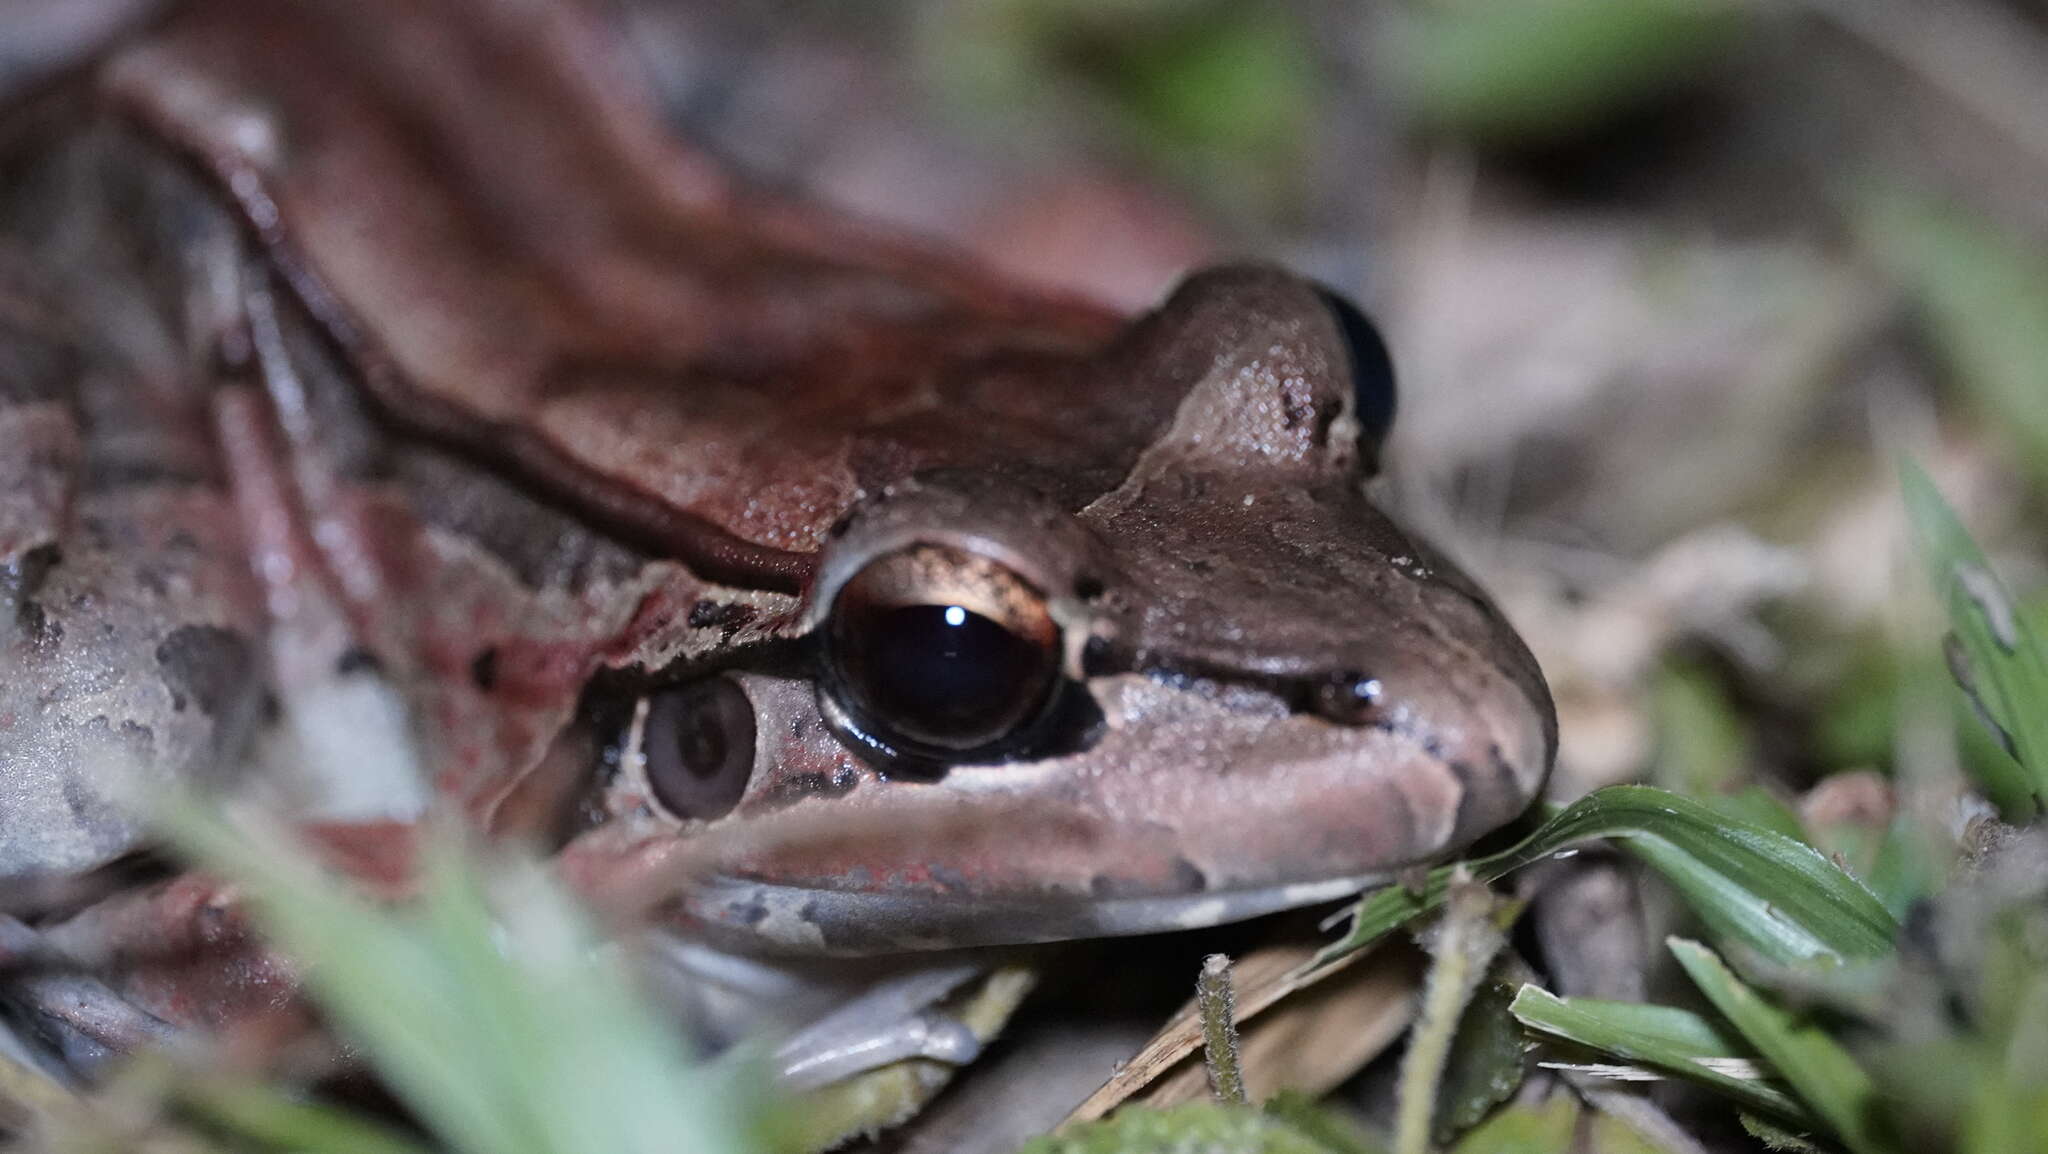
804, 920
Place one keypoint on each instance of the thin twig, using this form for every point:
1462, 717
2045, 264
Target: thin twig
1217, 997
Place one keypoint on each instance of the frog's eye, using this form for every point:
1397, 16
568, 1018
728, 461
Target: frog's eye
939, 651
699, 746
1372, 374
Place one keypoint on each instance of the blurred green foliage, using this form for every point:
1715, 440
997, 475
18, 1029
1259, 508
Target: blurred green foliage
1994, 653
485, 1004
1535, 70
1949, 1046
1940, 1047
1540, 1129
1974, 1077
1982, 296
1218, 96
1486, 1063
1203, 1126
1702, 741
1857, 720
1823, 1074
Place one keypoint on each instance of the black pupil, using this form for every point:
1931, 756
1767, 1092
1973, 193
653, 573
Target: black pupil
700, 740
943, 674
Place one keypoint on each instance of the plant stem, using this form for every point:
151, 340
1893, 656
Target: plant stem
1465, 941
1217, 999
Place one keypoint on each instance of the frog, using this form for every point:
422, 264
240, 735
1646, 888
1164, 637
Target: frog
402, 419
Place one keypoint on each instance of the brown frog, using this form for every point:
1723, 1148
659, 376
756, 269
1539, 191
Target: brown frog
395, 414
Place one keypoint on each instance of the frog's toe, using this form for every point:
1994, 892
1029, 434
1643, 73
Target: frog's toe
78, 1020
893, 1020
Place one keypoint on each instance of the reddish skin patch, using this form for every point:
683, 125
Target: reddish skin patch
187, 952
537, 673
383, 855
656, 612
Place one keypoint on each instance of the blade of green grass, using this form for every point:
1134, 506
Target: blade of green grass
1612, 1135
379, 980
1703, 744
1335, 1129
2007, 670
456, 927
1665, 1038
1983, 298
1193, 1126
1223, 96
1638, 1031
1751, 885
1541, 1129
486, 1006
1776, 1137
1489, 1058
253, 1113
1473, 930
1530, 71
1757, 806
1820, 1071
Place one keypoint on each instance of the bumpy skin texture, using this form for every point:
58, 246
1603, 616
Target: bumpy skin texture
130, 624
425, 357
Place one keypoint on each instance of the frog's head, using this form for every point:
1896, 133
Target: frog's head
1226, 685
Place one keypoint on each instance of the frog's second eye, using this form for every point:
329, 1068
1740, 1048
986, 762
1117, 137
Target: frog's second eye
1372, 373
699, 747
939, 652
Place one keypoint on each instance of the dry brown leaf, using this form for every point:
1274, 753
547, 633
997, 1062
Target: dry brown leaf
1356, 1007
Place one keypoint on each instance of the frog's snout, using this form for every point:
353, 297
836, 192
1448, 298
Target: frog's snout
1262, 793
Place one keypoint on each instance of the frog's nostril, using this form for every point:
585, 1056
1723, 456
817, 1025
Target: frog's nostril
1372, 374
1348, 698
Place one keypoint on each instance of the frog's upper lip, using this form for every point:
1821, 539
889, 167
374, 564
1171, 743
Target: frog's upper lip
1186, 815
812, 920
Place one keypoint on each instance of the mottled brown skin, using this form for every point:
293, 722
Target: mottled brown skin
389, 340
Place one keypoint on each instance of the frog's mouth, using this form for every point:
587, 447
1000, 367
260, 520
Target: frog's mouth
812, 920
